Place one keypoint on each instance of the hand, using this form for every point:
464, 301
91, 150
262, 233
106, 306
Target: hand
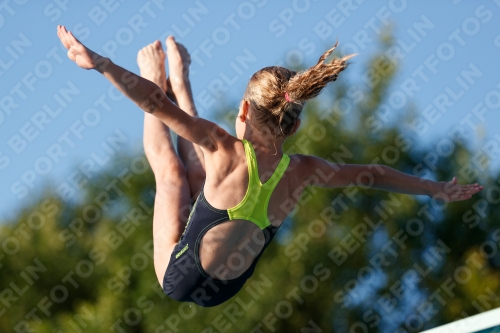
79, 53
451, 191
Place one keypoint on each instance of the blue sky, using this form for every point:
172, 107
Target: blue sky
57, 120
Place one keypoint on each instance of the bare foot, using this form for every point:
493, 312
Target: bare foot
151, 61
178, 65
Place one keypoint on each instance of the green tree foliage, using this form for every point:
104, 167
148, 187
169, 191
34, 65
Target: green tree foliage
351, 259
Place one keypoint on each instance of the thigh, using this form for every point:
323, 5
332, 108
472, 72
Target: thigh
171, 211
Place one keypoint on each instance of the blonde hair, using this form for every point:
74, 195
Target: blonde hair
278, 94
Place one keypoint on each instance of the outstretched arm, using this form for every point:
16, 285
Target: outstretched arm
322, 173
147, 95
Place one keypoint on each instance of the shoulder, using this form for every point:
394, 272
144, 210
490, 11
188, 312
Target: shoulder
303, 166
304, 162
228, 153
221, 140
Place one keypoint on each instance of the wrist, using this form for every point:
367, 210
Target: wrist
431, 188
101, 63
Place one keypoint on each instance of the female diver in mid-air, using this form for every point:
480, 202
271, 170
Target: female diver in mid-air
245, 186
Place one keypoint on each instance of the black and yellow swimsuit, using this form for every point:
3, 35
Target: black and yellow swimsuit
185, 278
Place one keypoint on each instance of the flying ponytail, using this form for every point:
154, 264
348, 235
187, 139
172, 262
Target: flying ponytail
277, 94
309, 83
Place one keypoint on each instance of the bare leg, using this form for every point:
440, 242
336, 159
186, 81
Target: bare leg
190, 154
172, 190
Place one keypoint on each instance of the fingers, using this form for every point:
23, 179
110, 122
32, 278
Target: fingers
64, 34
60, 35
72, 38
463, 192
472, 188
467, 189
64, 37
453, 186
460, 197
452, 191
67, 37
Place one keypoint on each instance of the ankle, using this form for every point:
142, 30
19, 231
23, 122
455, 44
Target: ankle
183, 94
156, 80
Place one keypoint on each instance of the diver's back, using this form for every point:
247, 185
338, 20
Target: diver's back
229, 248
229, 226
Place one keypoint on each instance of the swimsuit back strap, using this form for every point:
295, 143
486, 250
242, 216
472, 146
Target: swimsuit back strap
253, 169
254, 205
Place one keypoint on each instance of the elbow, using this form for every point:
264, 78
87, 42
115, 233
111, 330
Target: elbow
148, 107
155, 101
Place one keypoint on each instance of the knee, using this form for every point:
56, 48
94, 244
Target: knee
170, 172
165, 164
156, 152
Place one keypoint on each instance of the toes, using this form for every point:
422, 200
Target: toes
140, 54
170, 43
155, 48
170, 39
157, 45
146, 49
